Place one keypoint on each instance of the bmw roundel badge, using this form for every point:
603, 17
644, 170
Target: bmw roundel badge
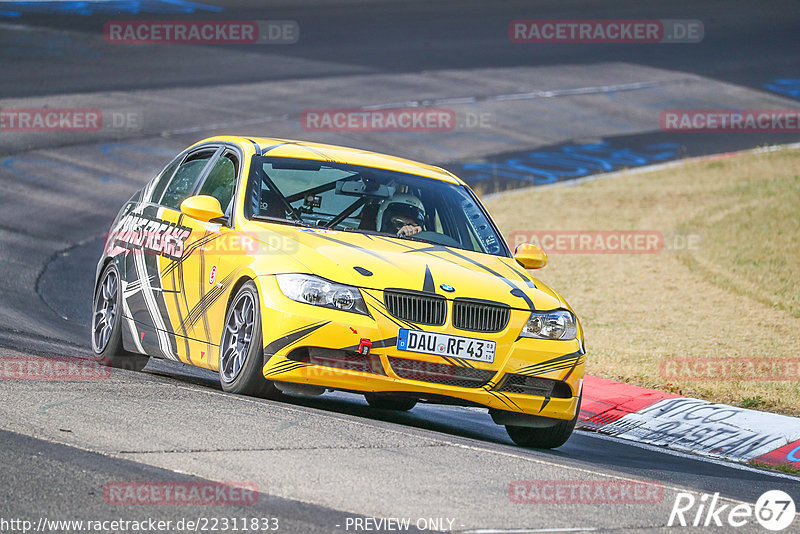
448, 288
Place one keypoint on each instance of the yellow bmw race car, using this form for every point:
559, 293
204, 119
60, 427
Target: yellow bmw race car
289, 266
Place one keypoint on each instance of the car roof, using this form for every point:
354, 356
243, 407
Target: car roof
289, 148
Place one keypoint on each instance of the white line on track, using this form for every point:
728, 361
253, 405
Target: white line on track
530, 95
527, 530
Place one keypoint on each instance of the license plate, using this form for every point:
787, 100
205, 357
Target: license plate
446, 345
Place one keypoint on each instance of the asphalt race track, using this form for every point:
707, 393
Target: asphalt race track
321, 463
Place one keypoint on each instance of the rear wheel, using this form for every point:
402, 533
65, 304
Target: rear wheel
107, 324
389, 403
241, 354
544, 438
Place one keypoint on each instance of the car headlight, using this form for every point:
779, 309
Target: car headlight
317, 291
558, 324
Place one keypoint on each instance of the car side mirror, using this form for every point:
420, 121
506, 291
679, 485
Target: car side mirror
530, 256
202, 207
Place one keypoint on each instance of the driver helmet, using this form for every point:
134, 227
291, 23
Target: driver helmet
400, 210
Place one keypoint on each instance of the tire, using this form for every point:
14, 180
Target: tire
241, 354
543, 438
388, 403
107, 324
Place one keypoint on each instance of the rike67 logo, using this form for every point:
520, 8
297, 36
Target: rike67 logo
774, 510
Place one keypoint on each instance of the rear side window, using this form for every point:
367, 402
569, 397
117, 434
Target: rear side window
164, 178
221, 181
182, 184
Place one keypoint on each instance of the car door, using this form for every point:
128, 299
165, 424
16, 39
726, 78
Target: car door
217, 264
161, 272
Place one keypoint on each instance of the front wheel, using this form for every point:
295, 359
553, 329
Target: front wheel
544, 438
241, 355
107, 324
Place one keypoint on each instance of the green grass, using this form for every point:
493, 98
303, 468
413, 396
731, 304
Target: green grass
783, 468
736, 294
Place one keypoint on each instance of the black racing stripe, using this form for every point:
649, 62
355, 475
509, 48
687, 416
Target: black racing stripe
559, 362
543, 369
439, 248
350, 245
466, 362
395, 241
189, 251
180, 318
203, 293
317, 152
286, 364
207, 300
557, 359
295, 143
516, 292
273, 147
196, 313
182, 281
285, 369
161, 302
574, 365
501, 399
428, 284
454, 363
544, 403
523, 276
257, 147
290, 338
509, 399
380, 307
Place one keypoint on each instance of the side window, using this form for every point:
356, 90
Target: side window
221, 180
186, 176
163, 179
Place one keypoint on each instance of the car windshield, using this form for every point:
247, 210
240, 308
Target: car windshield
346, 197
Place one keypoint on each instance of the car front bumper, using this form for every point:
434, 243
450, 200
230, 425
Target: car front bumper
320, 346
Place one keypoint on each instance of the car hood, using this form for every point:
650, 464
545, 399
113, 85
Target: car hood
379, 262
